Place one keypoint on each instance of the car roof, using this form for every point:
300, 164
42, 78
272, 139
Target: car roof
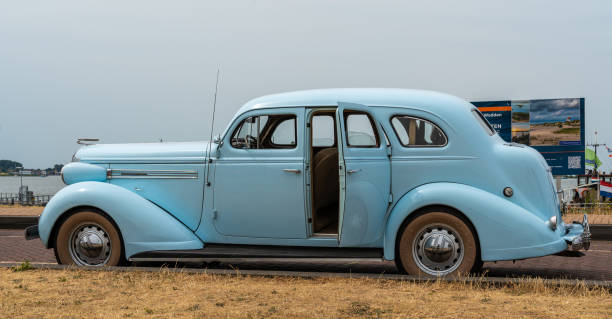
367, 96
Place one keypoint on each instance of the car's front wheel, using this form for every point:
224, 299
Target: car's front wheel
437, 243
87, 238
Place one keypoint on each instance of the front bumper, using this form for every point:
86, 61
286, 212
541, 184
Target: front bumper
578, 235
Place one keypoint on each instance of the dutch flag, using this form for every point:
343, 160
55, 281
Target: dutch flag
605, 189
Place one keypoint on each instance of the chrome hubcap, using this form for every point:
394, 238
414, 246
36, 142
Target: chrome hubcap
438, 250
90, 245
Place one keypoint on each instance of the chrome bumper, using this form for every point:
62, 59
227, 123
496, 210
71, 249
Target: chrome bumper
578, 235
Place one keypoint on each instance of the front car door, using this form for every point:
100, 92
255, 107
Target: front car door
366, 173
259, 180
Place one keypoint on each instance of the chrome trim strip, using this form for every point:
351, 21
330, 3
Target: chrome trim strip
145, 160
251, 259
141, 173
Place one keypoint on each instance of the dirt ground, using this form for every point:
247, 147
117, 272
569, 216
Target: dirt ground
593, 219
19, 210
74, 293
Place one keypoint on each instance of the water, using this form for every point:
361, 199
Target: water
39, 185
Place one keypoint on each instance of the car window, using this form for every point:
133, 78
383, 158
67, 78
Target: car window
266, 132
323, 131
360, 131
415, 132
284, 133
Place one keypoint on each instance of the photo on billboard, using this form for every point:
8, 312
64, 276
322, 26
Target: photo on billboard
554, 122
520, 122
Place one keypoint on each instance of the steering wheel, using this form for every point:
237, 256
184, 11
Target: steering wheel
250, 140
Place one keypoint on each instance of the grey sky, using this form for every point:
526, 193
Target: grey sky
127, 71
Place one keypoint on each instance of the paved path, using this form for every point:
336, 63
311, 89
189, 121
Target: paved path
595, 265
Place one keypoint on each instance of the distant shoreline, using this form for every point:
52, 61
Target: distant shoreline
556, 122
17, 175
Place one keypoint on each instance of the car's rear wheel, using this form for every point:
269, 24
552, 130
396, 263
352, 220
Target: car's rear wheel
437, 243
87, 238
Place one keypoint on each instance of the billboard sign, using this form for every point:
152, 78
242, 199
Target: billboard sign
554, 127
499, 114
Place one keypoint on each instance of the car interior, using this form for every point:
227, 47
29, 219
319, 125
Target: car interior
324, 174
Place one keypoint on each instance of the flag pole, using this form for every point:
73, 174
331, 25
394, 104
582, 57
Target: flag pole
597, 170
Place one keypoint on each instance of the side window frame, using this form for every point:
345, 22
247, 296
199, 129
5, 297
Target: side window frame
345, 116
419, 119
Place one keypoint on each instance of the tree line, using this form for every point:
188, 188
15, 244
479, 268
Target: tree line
11, 166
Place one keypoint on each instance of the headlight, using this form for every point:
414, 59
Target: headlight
83, 172
62, 176
552, 222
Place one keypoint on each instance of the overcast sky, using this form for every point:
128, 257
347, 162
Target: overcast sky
129, 71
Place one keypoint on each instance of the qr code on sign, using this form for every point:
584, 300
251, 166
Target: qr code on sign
573, 162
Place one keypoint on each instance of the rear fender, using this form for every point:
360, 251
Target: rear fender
143, 225
504, 229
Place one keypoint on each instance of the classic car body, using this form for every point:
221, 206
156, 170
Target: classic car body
346, 171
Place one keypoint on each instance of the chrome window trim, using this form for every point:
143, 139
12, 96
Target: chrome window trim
420, 119
142, 173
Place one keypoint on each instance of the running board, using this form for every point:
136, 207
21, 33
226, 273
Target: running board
219, 251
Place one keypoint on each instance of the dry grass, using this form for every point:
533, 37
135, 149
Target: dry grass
604, 209
18, 210
593, 219
78, 293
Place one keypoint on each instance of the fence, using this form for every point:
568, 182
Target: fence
588, 208
27, 199
587, 179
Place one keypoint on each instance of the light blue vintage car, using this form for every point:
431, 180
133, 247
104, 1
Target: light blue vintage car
413, 176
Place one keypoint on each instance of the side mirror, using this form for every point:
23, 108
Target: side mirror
217, 140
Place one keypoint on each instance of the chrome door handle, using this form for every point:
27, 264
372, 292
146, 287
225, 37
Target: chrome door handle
291, 170
351, 171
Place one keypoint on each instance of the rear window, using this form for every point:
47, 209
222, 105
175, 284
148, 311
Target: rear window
417, 132
483, 122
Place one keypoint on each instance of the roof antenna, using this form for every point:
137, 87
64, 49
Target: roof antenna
212, 126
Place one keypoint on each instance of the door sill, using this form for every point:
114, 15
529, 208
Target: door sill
216, 251
319, 235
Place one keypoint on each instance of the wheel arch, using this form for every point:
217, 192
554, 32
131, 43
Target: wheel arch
505, 230
142, 225
65, 215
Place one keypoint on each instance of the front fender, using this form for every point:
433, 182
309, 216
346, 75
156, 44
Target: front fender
143, 225
505, 230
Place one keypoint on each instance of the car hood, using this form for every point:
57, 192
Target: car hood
144, 152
